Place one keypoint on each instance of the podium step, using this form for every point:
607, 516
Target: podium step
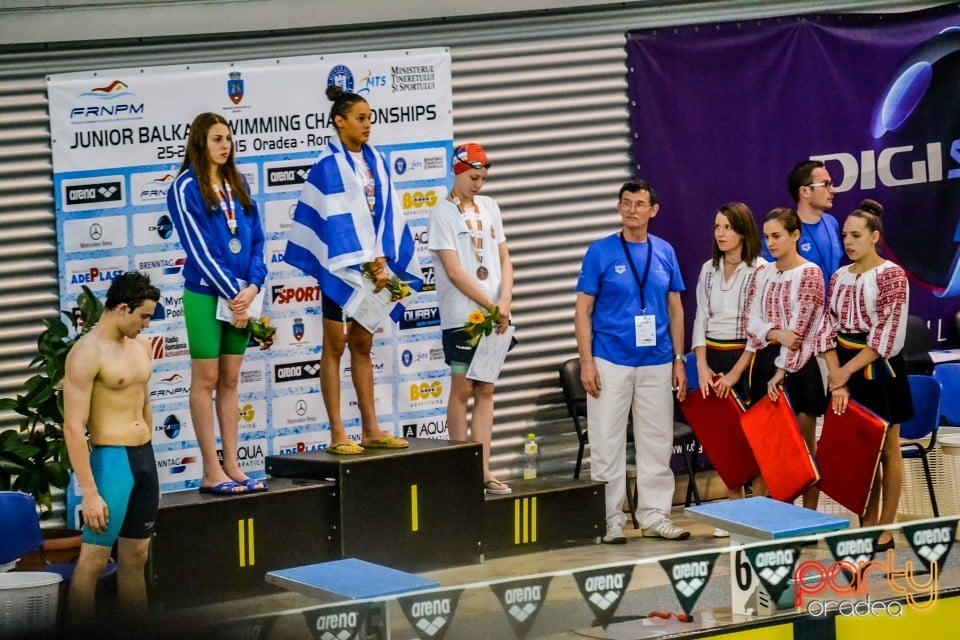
543, 513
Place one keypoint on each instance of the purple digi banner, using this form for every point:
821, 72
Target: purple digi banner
721, 112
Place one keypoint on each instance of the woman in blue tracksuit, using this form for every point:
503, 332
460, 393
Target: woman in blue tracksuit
220, 231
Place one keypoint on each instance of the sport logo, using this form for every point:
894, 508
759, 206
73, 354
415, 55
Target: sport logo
931, 542
296, 371
288, 176
689, 576
336, 623
774, 565
430, 614
93, 194
521, 601
603, 589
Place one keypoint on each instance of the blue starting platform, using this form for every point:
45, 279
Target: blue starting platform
754, 520
761, 518
349, 578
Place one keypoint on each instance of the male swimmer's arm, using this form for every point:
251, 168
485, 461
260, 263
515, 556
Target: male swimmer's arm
81, 370
583, 330
147, 411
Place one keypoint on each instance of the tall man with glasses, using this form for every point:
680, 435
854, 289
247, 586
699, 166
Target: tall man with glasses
810, 187
629, 328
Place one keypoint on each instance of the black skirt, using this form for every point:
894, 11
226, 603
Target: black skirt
881, 386
804, 388
721, 356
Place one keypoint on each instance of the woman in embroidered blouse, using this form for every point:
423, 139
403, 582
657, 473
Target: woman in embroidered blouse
868, 304
720, 326
784, 327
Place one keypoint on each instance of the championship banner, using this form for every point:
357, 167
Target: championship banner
118, 139
603, 589
732, 107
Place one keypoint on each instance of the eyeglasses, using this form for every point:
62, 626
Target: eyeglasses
461, 156
635, 206
826, 184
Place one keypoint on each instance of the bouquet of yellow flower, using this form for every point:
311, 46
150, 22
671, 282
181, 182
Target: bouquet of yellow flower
398, 288
261, 332
480, 324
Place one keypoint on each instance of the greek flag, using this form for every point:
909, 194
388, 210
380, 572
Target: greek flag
334, 233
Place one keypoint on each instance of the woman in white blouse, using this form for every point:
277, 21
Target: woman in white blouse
868, 304
720, 326
784, 327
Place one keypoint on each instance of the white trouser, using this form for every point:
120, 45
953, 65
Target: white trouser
648, 390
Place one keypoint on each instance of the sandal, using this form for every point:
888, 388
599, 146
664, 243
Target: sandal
496, 487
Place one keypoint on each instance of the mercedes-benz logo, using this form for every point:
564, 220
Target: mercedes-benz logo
96, 231
301, 407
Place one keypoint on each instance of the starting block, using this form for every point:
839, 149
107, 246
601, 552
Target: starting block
755, 520
352, 579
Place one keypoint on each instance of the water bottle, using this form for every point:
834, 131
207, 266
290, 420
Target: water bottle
531, 452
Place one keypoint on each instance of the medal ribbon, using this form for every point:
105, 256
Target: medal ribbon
477, 234
226, 205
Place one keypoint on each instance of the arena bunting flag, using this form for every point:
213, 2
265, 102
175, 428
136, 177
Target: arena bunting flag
932, 541
337, 623
689, 576
521, 601
603, 589
774, 565
430, 614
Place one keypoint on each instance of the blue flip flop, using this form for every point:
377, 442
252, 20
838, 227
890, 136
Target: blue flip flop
251, 485
226, 488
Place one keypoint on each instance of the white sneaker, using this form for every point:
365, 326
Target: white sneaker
721, 533
614, 533
666, 529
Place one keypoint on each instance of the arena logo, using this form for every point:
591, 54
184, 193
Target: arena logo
287, 176
689, 577
282, 294
774, 565
296, 371
430, 615
521, 601
336, 623
97, 194
603, 589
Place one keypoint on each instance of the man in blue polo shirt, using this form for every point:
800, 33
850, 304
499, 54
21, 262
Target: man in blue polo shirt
629, 328
810, 187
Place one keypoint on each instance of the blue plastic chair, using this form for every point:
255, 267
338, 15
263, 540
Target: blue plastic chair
926, 393
20, 534
948, 375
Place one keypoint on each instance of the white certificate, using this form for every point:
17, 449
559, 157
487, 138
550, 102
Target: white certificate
256, 306
489, 356
374, 308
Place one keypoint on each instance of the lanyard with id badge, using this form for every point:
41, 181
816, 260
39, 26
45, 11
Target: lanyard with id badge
644, 325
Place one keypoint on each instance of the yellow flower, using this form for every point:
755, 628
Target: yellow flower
476, 317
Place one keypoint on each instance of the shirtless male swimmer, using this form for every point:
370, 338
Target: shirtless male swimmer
106, 395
